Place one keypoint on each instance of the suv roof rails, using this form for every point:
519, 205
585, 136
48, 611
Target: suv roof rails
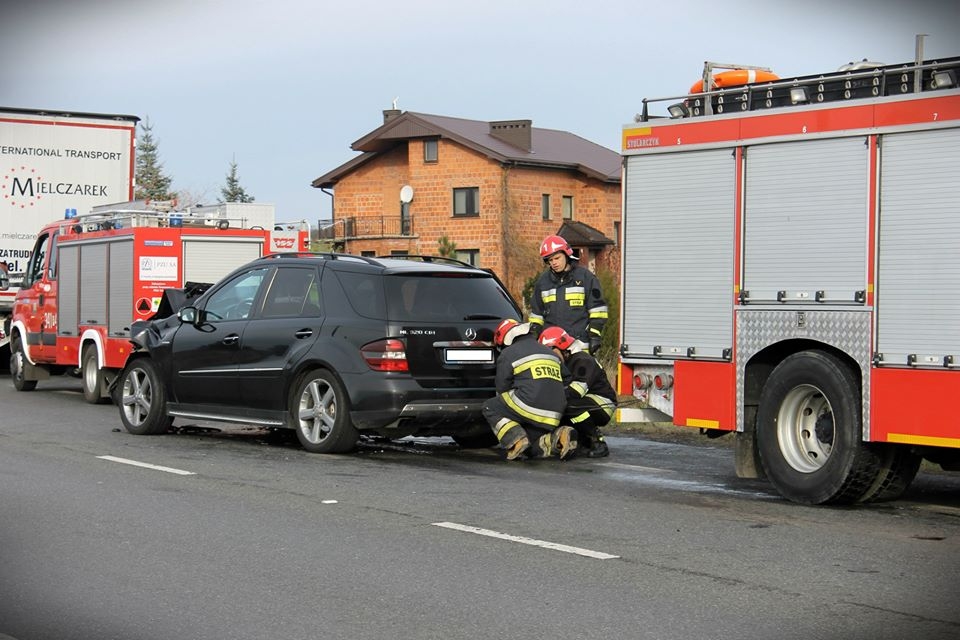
319, 254
424, 258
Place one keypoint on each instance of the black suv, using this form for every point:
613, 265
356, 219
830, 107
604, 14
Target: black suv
330, 345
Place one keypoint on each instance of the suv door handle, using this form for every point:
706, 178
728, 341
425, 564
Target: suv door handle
303, 333
231, 339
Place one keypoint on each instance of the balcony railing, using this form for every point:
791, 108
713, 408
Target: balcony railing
367, 227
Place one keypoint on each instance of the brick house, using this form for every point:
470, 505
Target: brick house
493, 190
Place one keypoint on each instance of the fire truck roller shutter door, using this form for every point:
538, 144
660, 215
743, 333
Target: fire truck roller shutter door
211, 260
120, 308
692, 305
918, 290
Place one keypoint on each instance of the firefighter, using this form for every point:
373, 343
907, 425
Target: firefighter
591, 400
568, 295
525, 414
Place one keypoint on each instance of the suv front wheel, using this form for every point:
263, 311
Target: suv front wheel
321, 414
142, 399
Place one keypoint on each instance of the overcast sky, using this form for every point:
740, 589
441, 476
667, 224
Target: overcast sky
286, 86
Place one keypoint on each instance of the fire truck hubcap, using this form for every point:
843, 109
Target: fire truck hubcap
805, 428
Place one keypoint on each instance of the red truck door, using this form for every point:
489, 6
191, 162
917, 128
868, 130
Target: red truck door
37, 301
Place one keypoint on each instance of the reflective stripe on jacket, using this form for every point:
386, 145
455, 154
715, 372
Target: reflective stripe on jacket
571, 300
531, 380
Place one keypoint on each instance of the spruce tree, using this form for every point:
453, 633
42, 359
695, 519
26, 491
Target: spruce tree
151, 182
446, 248
232, 191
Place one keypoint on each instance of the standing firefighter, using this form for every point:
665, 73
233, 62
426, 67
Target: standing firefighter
591, 400
568, 295
525, 414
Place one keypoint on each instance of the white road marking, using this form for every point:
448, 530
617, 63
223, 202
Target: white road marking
328, 502
147, 465
599, 555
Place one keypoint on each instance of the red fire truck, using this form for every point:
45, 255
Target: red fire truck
791, 272
88, 277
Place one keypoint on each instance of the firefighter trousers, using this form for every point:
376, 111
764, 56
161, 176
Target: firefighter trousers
588, 414
508, 426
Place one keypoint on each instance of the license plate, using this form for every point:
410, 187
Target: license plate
457, 356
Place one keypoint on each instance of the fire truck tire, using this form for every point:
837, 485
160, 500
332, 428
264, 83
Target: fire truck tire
92, 376
809, 431
321, 414
898, 469
142, 399
18, 366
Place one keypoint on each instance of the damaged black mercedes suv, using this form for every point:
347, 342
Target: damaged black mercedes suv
330, 345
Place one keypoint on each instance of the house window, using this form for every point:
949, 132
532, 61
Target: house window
466, 201
470, 256
545, 206
368, 254
616, 233
568, 207
429, 150
399, 252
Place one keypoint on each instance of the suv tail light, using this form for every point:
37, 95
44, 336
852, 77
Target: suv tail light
385, 355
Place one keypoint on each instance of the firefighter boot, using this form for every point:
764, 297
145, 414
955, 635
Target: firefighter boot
516, 449
597, 446
564, 441
542, 447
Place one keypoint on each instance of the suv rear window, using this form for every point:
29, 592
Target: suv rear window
445, 297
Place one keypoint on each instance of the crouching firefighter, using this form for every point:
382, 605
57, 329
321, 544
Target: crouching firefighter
525, 414
591, 400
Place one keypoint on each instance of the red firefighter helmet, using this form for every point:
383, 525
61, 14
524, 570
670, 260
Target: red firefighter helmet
507, 330
553, 244
556, 338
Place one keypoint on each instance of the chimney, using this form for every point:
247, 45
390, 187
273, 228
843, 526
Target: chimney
390, 114
513, 132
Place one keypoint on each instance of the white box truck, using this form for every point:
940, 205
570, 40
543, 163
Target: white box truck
52, 164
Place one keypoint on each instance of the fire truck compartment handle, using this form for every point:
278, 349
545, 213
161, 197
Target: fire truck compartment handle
858, 297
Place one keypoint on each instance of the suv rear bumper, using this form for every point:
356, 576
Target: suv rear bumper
454, 415
438, 410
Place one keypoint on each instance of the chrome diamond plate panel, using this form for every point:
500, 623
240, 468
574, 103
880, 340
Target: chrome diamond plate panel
848, 331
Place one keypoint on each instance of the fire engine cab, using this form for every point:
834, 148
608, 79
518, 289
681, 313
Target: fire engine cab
791, 272
90, 276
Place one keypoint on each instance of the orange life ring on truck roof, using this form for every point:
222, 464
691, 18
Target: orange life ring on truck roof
735, 78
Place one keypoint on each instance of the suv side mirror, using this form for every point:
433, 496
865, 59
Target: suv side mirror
188, 315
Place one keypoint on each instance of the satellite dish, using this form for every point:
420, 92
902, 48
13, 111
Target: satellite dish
406, 193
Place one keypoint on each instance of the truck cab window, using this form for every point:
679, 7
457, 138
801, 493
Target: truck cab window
52, 267
35, 267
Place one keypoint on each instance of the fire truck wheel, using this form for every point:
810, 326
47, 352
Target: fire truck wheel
809, 431
92, 376
142, 399
898, 469
321, 414
18, 365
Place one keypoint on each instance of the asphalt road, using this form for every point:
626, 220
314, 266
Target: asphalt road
236, 533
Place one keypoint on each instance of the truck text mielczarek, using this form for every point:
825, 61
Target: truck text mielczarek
791, 272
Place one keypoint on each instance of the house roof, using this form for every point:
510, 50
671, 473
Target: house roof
582, 235
549, 148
